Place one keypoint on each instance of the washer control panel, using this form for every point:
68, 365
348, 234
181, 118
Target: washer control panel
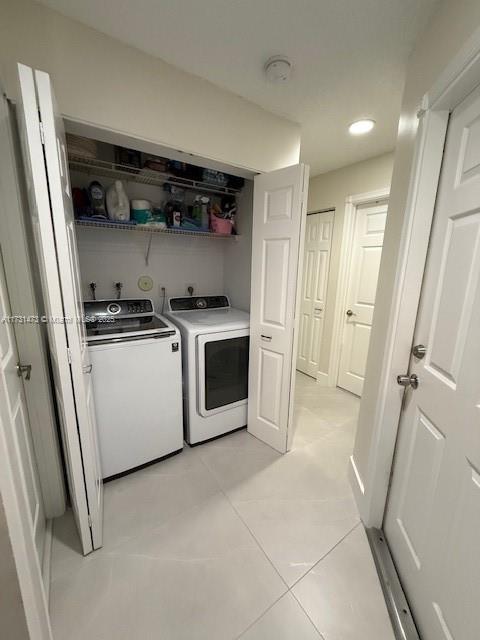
118, 308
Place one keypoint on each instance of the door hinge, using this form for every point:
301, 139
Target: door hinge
42, 132
90, 523
69, 355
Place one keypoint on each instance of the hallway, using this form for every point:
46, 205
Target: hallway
230, 540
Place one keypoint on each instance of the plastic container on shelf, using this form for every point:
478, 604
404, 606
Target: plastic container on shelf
141, 211
118, 205
221, 225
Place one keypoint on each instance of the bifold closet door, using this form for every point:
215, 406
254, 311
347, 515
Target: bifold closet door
46, 166
279, 212
316, 263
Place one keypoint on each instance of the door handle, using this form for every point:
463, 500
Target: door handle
24, 368
266, 338
349, 313
87, 368
408, 380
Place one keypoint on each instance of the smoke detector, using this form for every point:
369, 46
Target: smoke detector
278, 69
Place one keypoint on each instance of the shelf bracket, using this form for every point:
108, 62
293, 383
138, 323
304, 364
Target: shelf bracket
149, 246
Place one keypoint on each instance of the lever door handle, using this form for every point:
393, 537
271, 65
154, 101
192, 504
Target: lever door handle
266, 338
87, 368
24, 368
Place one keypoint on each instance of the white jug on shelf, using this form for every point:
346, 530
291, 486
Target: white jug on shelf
118, 205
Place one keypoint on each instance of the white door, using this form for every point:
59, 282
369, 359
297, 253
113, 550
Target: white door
49, 191
279, 212
433, 517
16, 415
364, 265
316, 263
19, 483
30, 337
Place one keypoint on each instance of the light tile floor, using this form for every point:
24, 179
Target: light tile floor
230, 540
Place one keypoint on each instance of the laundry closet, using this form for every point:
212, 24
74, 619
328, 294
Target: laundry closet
166, 253
156, 260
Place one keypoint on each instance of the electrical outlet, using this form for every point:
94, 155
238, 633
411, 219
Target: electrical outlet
193, 286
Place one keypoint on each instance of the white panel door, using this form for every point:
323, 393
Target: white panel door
20, 271
279, 212
316, 263
78, 429
366, 251
16, 416
433, 516
69, 267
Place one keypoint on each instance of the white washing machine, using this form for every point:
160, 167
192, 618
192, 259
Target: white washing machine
215, 343
137, 383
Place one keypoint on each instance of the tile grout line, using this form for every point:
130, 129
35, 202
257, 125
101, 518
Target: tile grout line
260, 548
306, 574
326, 554
289, 589
261, 616
322, 637
246, 526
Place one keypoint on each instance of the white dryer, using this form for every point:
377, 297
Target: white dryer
215, 348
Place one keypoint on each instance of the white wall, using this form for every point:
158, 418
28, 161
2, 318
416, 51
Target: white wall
99, 80
452, 25
109, 256
238, 254
330, 190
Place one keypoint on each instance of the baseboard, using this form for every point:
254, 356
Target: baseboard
322, 379
356, 482
47, 558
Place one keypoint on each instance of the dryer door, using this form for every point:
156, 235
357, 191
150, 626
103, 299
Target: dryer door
222, 360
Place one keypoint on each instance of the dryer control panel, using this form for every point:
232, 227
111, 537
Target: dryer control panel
195, 303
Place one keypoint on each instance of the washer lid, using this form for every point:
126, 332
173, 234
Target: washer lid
116, 329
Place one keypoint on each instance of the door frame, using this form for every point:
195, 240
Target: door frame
351, 205
459, 77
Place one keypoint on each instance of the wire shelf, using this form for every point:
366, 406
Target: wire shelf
117, 171
145, 228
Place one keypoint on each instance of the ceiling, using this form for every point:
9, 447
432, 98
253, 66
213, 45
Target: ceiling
349, 58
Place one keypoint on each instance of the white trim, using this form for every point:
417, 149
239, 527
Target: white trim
459, 78
47, 558
351, 205
322, 378
357, 484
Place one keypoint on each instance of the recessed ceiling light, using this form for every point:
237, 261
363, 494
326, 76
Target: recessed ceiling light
361, 126
278, 69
